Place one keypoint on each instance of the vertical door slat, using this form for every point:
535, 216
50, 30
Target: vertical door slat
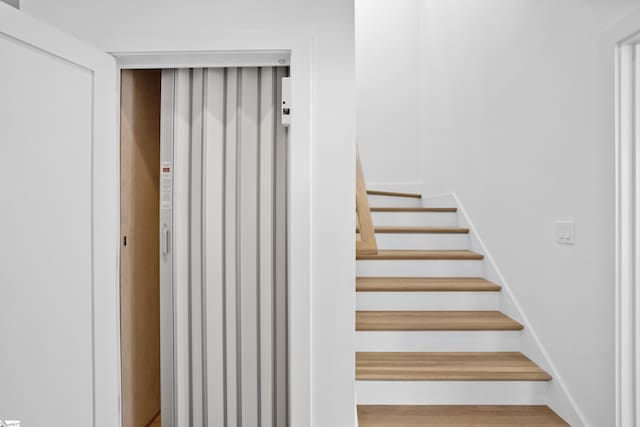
231, 236
248, 271
280, 252
213, 233
181, 149
195, 226
267, 134
167, 307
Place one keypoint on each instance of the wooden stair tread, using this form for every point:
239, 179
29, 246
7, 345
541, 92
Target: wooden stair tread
420, 230
425, 284
472, 366
435, 321
411, 209
393, 194
404, 254
458, 416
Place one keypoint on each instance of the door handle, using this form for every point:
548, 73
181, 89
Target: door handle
165, 241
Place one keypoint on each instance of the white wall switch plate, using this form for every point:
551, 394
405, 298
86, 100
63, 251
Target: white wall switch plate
566, 232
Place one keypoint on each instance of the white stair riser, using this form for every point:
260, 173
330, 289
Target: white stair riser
395, 202
420, 268
451, 392
443, 201
427, 300
416, 219
442, 341
423, 241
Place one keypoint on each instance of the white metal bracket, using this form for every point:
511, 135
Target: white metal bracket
285, 107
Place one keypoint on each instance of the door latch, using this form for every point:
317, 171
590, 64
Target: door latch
285, 111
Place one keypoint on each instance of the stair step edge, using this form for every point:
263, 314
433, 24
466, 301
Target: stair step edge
393, 194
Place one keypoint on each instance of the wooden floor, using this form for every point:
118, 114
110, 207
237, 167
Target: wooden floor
394, 229
393, 194
425, 284
435, 321
473, 366
157, 422
457, 416
411, 209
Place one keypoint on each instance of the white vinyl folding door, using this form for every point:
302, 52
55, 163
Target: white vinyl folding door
223, 248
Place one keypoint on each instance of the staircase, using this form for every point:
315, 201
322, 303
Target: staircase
432, 347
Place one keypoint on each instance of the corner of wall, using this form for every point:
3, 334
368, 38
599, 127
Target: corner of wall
14, 3
558, 396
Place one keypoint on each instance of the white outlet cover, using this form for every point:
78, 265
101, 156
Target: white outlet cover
566, 232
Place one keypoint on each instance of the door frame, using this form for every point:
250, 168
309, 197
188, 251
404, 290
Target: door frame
625, 36
245, 51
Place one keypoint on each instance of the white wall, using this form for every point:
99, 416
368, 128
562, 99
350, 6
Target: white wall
121, 25
387, 81
517, 105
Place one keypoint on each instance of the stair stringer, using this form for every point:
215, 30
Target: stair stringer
558, 396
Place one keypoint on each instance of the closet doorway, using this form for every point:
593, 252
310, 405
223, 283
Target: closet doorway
140, 246
204, 247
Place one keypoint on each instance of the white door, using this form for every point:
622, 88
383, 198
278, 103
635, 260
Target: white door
224, 357
58, 228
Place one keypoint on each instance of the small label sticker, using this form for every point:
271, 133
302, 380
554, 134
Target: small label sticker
166, 185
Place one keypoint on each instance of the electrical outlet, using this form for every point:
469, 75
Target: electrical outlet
566, 232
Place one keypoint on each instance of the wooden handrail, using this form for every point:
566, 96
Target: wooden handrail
366, 237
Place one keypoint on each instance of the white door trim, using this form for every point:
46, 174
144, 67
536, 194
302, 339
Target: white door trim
204, 59
296, 51
627, 161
